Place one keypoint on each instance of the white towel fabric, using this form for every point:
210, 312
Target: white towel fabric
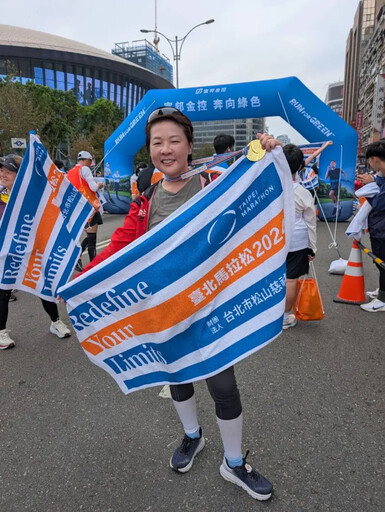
360, 221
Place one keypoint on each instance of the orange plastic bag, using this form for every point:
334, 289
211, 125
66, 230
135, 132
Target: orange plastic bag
308, 304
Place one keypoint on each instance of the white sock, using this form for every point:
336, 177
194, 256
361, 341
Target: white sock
231, 434
187, 412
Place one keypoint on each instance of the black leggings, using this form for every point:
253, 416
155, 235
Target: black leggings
49, 307
223, 390
4, 299
90, 243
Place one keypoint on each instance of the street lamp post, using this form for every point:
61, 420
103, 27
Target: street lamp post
177, 41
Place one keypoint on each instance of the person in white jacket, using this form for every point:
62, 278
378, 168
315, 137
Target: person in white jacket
303, 242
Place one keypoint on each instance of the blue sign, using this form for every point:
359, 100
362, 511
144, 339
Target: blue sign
288, 98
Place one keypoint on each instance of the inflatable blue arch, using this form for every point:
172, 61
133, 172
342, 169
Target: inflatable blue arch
288, 98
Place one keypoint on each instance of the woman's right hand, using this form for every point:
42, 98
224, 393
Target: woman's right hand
268, 142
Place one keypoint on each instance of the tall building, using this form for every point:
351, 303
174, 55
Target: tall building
68, 65
358, 37
146, 55
370, 121
284, 138
243, 131
334, 97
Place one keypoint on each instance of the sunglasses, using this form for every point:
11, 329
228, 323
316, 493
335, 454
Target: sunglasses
162, 111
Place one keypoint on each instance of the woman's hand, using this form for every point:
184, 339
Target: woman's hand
268, 142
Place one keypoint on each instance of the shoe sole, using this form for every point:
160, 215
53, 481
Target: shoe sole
234, 480
4, 347
284, 327
200, 447
53, 331
379, 310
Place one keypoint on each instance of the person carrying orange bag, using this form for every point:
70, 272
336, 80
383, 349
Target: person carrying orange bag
303, 242
308, 303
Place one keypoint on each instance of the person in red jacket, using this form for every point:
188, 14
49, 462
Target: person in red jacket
169, 137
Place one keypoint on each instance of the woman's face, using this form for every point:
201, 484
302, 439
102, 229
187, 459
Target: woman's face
169, 148
7, 178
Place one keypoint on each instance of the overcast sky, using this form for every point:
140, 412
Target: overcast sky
250, 39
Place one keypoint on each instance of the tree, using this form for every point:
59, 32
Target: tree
96, 123
142, 156
18, 113
92, 142
57, 117
60, 111
101, 113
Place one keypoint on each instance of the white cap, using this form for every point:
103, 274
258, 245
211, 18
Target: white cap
84, 154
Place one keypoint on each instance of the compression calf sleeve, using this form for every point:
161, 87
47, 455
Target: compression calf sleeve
187, 412
231, 434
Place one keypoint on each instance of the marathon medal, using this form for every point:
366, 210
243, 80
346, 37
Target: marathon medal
255, 151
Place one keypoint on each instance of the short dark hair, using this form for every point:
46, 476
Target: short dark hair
222, 142
315, 168
376, 149
294, 157
178, 118
59, 164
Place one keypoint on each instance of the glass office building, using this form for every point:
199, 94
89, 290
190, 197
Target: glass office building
68, 65
243, 131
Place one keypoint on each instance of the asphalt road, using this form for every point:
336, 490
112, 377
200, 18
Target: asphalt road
313, 406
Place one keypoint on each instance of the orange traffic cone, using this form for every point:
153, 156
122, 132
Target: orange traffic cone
352, 290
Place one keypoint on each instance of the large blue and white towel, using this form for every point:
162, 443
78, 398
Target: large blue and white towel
199, 292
